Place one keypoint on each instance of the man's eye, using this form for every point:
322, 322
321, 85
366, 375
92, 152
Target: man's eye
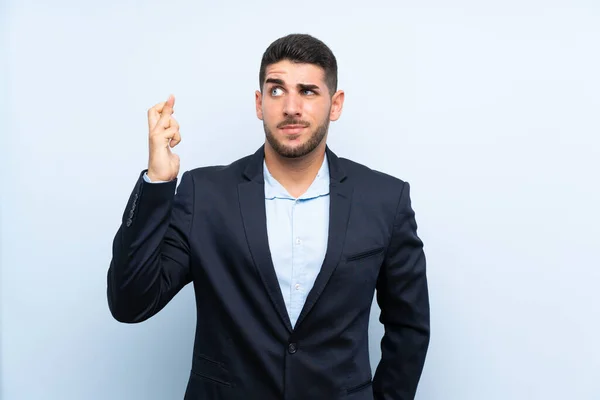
276, 91
308, 92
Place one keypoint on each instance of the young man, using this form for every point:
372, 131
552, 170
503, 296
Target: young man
285, 249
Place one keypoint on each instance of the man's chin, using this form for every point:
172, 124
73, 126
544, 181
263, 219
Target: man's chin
294, 145
291, 152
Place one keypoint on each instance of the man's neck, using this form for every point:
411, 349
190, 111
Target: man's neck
295, 174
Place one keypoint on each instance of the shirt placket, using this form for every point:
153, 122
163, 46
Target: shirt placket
298, 259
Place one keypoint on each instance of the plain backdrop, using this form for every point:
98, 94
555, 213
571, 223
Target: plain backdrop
490, 110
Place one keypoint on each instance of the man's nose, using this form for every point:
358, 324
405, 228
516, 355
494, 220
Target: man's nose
293, 105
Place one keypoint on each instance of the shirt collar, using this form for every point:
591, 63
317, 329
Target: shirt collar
319, 187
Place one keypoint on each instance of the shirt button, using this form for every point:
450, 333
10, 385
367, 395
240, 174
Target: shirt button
292, 348
298, 241
297, 286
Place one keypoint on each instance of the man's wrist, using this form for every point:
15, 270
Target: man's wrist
147, 179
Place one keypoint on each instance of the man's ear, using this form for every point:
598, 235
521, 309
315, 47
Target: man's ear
337, 104
258, 100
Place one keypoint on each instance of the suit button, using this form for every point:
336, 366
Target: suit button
292, 348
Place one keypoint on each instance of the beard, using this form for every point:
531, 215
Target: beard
280, 147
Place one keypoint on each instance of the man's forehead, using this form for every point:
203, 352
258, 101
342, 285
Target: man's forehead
301, 71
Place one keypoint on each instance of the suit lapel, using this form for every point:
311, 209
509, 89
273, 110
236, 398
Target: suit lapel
340, 200
252, 204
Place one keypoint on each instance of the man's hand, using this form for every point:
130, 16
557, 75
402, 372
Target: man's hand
163, 165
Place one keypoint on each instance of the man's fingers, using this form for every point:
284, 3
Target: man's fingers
160, 106
173, 123
169, 104
165, 115
176, 139
157, 113
167, 111
165, 135
165, 120
153, 116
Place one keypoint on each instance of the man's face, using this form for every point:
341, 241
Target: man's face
296, 107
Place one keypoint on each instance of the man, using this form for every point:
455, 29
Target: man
285, 249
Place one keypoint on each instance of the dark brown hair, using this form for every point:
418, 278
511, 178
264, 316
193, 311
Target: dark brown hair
301, 48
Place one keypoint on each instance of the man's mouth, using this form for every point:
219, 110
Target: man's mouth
293, 129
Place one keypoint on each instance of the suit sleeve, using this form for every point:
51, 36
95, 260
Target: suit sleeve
150, 256
403, 298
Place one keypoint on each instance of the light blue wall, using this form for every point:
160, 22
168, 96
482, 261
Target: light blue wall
489, 111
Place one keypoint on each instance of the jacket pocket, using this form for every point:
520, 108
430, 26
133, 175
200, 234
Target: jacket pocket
360, 387
206, 368
364, 254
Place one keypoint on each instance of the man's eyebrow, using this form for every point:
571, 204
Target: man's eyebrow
275, 81
308, 86
301, 86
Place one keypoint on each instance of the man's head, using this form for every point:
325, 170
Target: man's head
298, 94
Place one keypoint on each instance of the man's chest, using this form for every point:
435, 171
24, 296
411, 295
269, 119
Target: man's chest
297, 230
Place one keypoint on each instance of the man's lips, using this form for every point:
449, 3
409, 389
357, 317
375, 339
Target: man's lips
293, 129
293, 126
